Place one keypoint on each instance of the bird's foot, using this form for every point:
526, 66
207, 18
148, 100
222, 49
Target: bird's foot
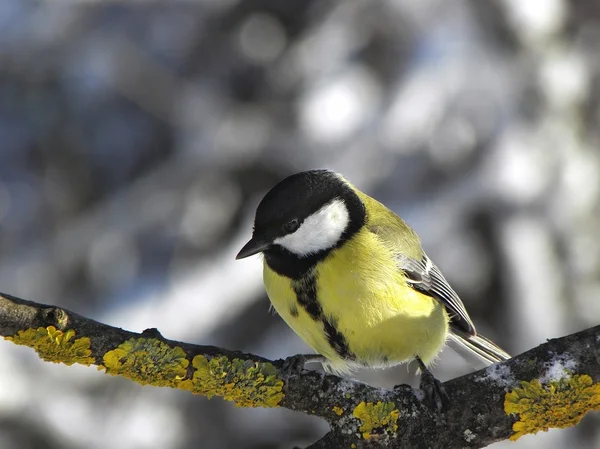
433, 388
293, 365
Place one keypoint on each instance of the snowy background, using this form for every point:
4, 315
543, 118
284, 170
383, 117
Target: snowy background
136, 139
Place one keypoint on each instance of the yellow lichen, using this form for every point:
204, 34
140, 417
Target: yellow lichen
246, 383
149, 361
56, 346
380, 417
338, 410
560, 403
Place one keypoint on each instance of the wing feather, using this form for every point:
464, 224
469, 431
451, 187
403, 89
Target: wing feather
425, 276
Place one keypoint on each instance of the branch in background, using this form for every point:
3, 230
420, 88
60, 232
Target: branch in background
553, 385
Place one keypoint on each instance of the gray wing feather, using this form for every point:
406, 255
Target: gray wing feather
425, 276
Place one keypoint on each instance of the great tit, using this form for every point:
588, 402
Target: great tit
350, 277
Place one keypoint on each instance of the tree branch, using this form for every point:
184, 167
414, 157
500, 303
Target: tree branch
523, 395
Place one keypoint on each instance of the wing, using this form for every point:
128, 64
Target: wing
425, 276
421, 272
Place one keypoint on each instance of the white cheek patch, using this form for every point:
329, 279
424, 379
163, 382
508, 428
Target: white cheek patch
319, 231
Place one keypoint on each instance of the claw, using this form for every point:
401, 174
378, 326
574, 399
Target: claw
433, 388
293, 365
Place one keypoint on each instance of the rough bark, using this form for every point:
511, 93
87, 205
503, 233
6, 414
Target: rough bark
474, 415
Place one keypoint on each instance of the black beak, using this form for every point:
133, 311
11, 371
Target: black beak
254, 246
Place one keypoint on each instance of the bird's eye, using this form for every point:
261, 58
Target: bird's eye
291, 225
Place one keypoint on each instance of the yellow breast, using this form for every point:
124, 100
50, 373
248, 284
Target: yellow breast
362, 294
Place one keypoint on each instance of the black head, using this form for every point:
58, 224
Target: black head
301, 219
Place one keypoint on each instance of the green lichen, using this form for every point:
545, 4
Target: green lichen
377, 418
561, 403
246, 383
56, 346
149, 361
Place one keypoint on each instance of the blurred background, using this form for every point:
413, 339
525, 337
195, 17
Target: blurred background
136, 139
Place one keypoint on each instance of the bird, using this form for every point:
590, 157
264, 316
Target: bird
351, 279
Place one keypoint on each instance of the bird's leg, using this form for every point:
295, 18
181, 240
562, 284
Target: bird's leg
294, 364
433, 388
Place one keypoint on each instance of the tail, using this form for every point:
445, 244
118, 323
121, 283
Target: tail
478, 344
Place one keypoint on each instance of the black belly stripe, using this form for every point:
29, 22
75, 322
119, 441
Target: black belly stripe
305, 289
306, 294
337, 340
